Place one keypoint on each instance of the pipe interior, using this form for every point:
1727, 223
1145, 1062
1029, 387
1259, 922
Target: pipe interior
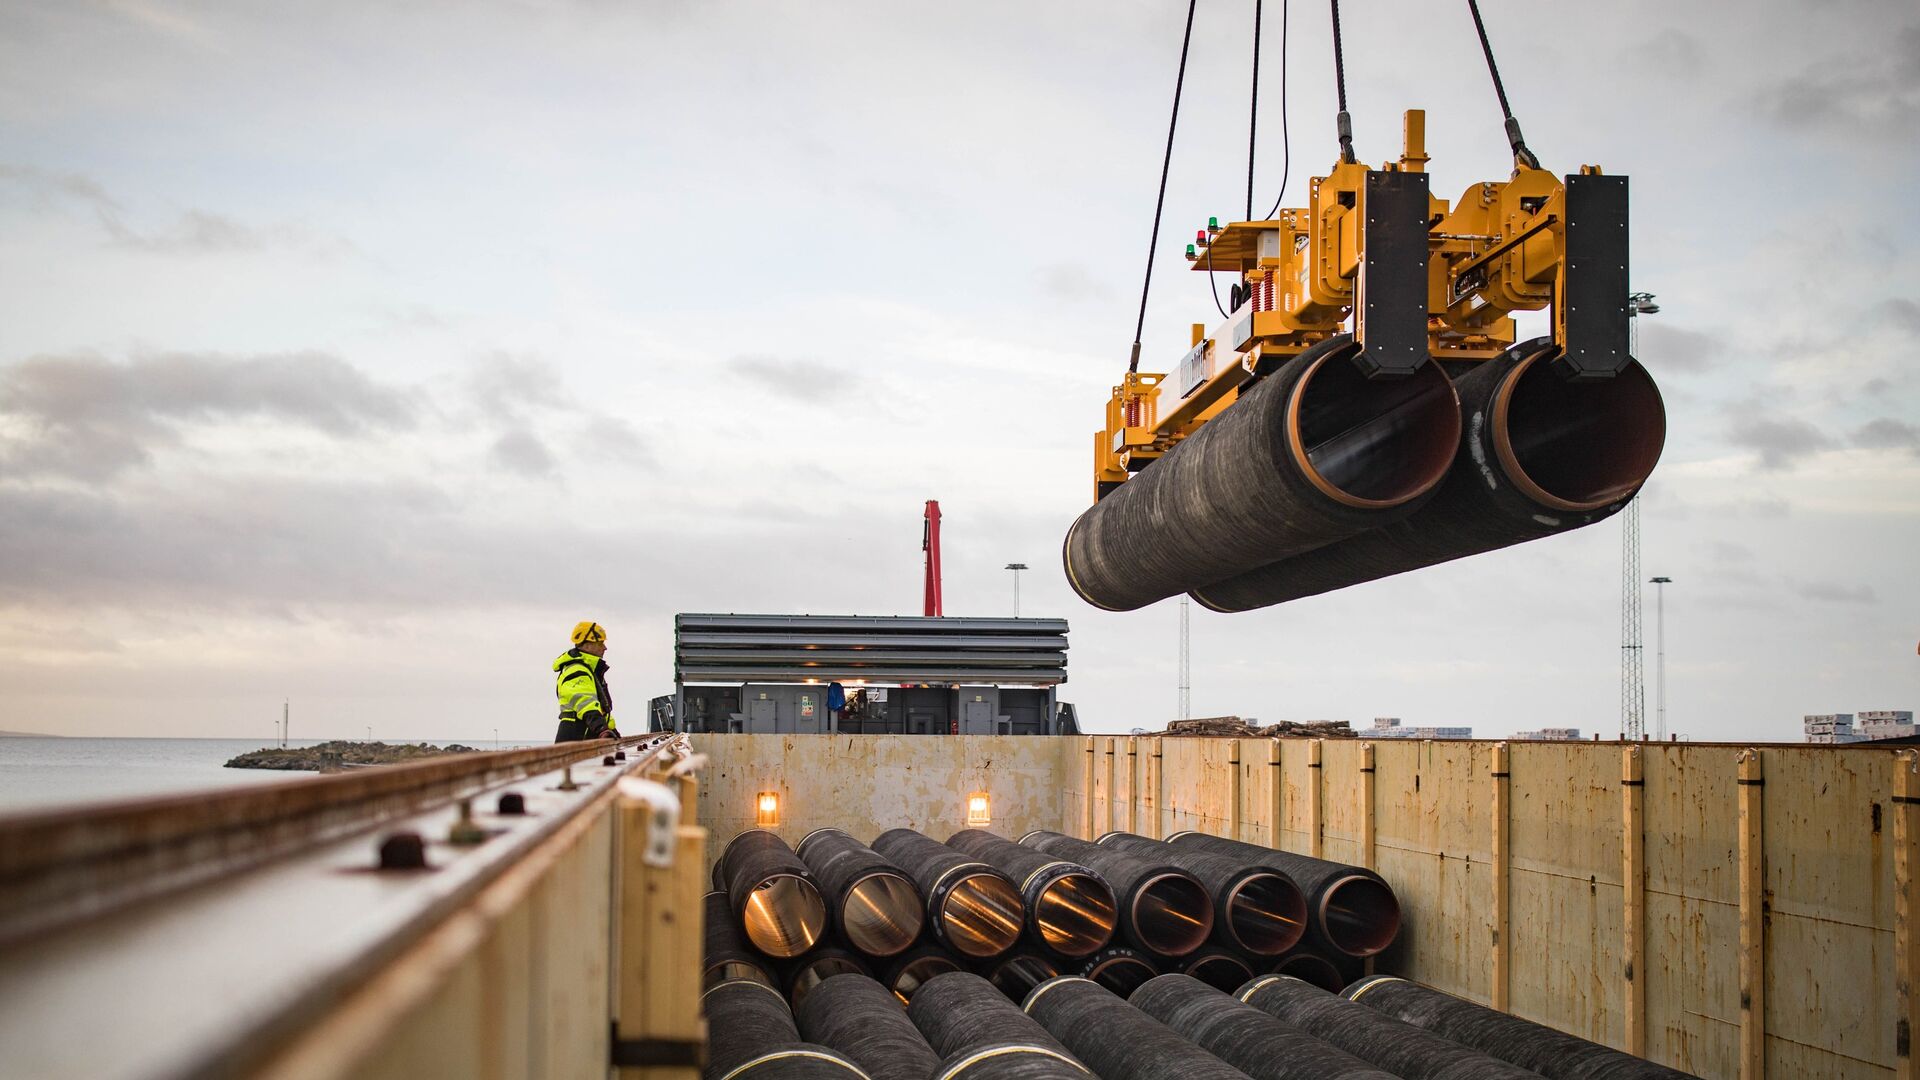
1267, 914
1122, 974
882, 914
982, 916
730, 970
1173, 914
1221, 971
918, 971
1017, 977
1378, 440
1585, 443
818, 972
1361, 916
1315, 970
1076, 915
785, 916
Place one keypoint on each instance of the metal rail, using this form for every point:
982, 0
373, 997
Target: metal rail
60, 867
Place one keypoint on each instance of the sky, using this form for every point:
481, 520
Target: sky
350, 354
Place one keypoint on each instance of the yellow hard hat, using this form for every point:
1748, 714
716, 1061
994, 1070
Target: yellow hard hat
589, 631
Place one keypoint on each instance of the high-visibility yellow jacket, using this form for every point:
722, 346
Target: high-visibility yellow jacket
586, 706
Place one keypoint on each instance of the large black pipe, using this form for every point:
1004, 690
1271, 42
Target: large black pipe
1163, 909
863, 1020
1311, 454
1017, 973
1551, 1053
1245, 1037
1349, 908
1257, 909
907, 973
1222, 969
1312, 968
1010, 1061
875, 904
745, 1019
1070, 907
1116, 1040
823, 963
972, 908
724, 953
1119, 969
795, 1061
960, 1011
1538, 455
772, 894
1412, 1053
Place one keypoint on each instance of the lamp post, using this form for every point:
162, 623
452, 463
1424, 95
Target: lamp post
1016, 567
1660, 655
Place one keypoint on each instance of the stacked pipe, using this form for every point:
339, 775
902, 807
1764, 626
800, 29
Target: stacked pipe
1548, 1052
1538, 454
1116, 1040
1311, 454
1163, 909
1257, 909
914, 968
1017, 973
751, 1035
1244, 1037
875, 905
1350, 910
1120, 969
980, 1035
802, 975
865, 1021
725, 954
1070, 908
1402, 1049
771, 893
972, 908
1222, 969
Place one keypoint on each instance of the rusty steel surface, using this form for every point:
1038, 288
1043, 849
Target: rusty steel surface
212, 981
59, 867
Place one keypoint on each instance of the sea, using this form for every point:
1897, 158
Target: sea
36, 773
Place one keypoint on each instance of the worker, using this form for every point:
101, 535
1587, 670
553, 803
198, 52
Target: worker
580, 681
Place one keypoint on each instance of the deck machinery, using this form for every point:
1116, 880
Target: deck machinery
1365, 409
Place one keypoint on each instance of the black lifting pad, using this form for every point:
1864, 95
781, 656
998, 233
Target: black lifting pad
1391, 296
1596, 297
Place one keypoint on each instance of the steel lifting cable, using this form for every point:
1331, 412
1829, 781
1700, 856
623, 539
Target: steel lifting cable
1342, 122
1521, 154
1253, 130
1166, 163
1286, 140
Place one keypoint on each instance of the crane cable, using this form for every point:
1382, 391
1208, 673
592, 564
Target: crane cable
1342, 122
1521, 155
1286, 140
1253, 130
1166, 163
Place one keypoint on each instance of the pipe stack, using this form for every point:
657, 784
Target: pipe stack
863, 1020
751, 1036
972, 908
802, 975
980, 1035
725, 954
1350, 909
1550, 1053
1163, 909
1257, 909
1116, 1040
875, 905
772, 893
1246, 1037
1070, 908
1410, 1052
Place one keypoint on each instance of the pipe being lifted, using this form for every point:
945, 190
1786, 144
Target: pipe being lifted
983, 1036
772, 894
1070, 908
1245, 1037
1407, 1051
1539, 455
877, 908
1313, 453
1551, 1053
1349, 908
972, 908
1257, 909
1118, 1041
863, 1020
724, 954
1163, 909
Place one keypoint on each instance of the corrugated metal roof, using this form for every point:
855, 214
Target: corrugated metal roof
733, 648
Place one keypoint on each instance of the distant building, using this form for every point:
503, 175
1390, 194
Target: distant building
1550, 734
1389, 727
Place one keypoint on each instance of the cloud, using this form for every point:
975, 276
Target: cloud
1832, 592
800, 379
1665, 348
1899, 312
1864, 92
1779, 440
1886, 433
521, 452
86, 417
194, 232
